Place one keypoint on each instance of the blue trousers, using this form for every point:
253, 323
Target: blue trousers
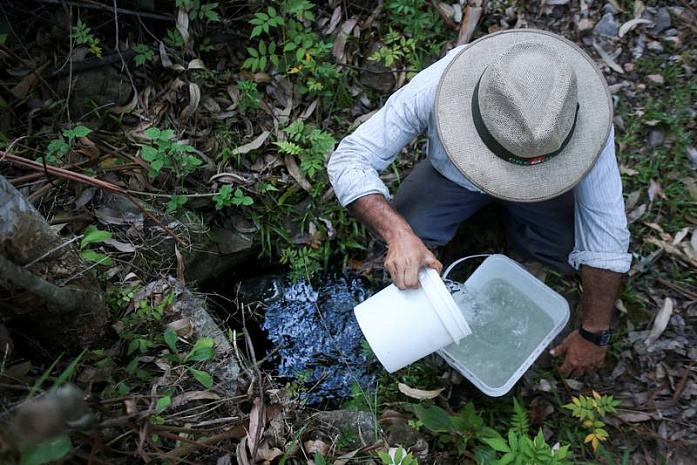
434, 207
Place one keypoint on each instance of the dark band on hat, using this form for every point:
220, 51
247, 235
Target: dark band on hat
499, 150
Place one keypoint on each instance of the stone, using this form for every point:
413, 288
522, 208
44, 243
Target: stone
376, 75
585, 25
102, 88
662, 21
607, 26
225, 368
656, 79
655, 47
216, 252
266, 289
357, 428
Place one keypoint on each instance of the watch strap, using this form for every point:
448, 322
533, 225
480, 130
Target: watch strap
602, 339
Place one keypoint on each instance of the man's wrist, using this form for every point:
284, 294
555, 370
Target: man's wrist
595, 328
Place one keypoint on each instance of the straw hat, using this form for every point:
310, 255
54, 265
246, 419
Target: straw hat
523, 114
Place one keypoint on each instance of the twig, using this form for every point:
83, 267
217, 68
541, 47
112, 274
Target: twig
86, 65
98, 6
33, 69
175, 437
236, 433
34, 197
20, 161
681, 290
124, 66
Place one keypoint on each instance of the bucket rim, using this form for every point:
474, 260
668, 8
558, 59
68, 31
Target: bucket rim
442, 301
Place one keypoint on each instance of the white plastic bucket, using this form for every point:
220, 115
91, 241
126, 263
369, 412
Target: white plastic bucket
405, 326
502, 267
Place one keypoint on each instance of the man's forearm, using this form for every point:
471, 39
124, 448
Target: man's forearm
600, 291
406, 253
375, 212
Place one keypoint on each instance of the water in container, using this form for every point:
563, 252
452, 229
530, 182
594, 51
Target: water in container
507, 326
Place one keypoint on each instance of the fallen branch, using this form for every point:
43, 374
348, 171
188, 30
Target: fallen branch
63, 173
473, 14
59, 296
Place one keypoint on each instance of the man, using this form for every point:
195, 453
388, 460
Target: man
522, 118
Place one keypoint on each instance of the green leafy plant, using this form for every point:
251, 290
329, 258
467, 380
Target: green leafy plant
143, 54
47, 451
82, 35
517, 447
57, 149
303, 262
522, 450
197, 10
92, 235
175, 202
458, 430
164, 152
249, 95
590, 412
226, 197
311, 144
401, 457
174, 39
261, 56
202, 351
264, 21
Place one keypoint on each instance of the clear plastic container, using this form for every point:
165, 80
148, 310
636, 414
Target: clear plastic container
497, 268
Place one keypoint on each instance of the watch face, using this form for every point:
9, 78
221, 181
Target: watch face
605, 338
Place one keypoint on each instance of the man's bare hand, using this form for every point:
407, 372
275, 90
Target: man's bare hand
406, 255
582, 356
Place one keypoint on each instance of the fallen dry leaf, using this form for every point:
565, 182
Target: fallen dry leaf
298, 175
316, 446
636, 214
253, 145
607, 59
418, 393
194, 100
632, 200
660, 322
631, 24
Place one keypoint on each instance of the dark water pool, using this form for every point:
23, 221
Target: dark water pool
321, 345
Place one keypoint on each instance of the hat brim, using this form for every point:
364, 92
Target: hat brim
494, 175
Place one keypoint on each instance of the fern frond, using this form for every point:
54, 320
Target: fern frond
520, 424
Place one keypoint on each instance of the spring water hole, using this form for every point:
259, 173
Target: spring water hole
307, 332
308, 329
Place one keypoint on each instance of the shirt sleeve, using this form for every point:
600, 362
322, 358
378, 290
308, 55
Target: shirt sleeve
355, 165
602, 237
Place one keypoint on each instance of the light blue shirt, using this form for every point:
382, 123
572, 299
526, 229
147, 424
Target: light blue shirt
601, 234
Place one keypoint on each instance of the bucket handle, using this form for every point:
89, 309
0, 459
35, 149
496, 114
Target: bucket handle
457, 262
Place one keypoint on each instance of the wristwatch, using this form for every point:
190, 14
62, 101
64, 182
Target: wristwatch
602, 339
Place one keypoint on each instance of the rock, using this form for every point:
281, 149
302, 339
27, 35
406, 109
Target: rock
225, 368
103, 87
376, 75
357, 428
656, 138
609, 8
655, 47
218, 251
656, 79
585, 25
628, 68
607, 26
266, 289
662, 21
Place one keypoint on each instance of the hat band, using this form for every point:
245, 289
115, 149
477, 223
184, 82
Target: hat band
499, 150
